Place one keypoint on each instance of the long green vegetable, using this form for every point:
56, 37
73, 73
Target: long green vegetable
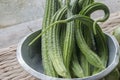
69, 38
49, 12
75, 66
54, 46
67, 24
91, 57
102, 49
87, 34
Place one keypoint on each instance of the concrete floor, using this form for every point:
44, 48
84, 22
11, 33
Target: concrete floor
19, 11
113, 5
20, 17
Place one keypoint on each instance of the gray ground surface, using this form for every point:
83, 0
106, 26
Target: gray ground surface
19, 11
20, 17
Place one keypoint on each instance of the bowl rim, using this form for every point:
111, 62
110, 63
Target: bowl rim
46, 77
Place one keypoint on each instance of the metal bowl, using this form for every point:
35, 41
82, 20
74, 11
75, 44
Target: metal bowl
30, 58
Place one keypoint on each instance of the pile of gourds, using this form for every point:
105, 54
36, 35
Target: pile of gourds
72, 43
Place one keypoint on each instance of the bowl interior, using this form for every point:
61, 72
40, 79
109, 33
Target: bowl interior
32, 54
112, 50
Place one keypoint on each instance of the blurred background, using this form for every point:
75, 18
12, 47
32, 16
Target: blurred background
21, 17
